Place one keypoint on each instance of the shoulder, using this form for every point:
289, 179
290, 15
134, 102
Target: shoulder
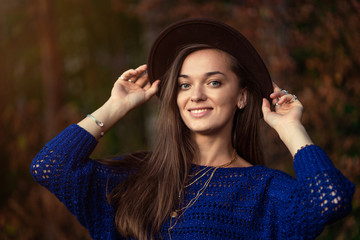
118, 169
268, 174
273, 185
258, 175
276, 184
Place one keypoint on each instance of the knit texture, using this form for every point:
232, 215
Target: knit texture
239, 203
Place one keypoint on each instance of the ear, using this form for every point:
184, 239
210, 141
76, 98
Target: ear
241, 101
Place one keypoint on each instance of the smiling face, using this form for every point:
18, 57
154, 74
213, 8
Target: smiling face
208, 92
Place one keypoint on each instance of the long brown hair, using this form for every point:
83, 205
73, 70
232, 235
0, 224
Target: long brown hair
144, 201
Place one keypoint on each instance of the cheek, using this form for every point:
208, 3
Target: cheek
229, 106
226, 99
180, 101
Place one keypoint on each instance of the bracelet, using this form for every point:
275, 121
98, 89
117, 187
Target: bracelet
99, 123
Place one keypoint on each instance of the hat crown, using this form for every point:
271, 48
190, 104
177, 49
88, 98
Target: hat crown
213, 33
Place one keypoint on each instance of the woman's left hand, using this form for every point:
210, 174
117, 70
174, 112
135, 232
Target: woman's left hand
286, 119
288, 109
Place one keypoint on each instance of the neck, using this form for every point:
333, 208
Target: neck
213, 151
216, 151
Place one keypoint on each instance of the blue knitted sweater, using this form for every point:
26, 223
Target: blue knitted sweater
239, 203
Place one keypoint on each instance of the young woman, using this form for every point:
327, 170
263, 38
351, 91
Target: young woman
204, 179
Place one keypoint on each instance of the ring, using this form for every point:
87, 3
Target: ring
294, 99
283, 90
122, 78
129, 80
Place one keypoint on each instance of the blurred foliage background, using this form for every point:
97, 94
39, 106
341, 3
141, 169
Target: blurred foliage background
59, 60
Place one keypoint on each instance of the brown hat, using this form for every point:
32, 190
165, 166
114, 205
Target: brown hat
210, 32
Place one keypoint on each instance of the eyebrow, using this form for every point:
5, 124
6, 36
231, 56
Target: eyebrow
208, 74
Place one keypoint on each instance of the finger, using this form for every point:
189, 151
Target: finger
142, 79
295, 98
276, 87
141, 68
280, 97
147, 86
285, 99
139, 72
275, 100
265, 107
127, 75
132, 74
289, 98
276, 97
278, 92
152, 90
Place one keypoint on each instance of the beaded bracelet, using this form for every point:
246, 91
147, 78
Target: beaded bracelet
99, 123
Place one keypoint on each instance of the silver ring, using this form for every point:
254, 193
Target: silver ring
283, 90
294, 99
129, 80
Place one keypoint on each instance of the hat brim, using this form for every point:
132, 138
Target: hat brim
210, 32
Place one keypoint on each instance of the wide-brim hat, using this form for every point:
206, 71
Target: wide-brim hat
211, 32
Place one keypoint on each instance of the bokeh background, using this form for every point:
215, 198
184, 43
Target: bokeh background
60, 58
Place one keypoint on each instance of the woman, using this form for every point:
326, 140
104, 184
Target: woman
204, 178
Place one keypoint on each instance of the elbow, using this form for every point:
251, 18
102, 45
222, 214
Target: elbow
40, 168
338, 202
35, 170
38, 172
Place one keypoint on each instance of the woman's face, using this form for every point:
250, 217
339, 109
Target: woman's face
208, 92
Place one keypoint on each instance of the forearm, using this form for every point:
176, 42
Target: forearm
68, 150
109, 114
324, 190
294, 137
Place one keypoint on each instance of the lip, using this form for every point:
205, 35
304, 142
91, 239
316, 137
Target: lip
199, 111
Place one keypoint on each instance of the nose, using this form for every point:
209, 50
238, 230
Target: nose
197, 94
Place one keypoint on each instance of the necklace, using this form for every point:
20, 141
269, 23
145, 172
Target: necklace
178, 213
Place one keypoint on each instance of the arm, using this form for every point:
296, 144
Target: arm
72, 147
322, 194
63, 166
131, 90
286, 120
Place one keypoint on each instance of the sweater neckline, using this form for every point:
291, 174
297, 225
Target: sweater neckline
200, 167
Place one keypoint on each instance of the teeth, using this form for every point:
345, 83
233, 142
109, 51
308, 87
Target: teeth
198, 110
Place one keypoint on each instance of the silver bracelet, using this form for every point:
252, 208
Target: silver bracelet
99, 123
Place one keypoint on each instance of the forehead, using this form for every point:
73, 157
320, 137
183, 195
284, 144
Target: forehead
206, 60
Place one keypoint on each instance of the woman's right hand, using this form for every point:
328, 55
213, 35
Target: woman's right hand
125, 96
133, 88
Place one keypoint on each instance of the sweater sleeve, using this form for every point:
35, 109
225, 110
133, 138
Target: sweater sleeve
63, 166
322, 194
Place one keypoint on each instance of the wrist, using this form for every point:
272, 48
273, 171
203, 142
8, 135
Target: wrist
286, 131
104, 118
294, 137
114, 110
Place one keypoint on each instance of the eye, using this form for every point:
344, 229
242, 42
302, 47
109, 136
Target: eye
215, 83
184, 86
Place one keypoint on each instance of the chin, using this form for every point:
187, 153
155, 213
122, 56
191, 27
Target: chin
204, 131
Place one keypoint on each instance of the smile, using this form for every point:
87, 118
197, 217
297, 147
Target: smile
199, 110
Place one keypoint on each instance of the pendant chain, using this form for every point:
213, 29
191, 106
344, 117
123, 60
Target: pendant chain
175, 213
